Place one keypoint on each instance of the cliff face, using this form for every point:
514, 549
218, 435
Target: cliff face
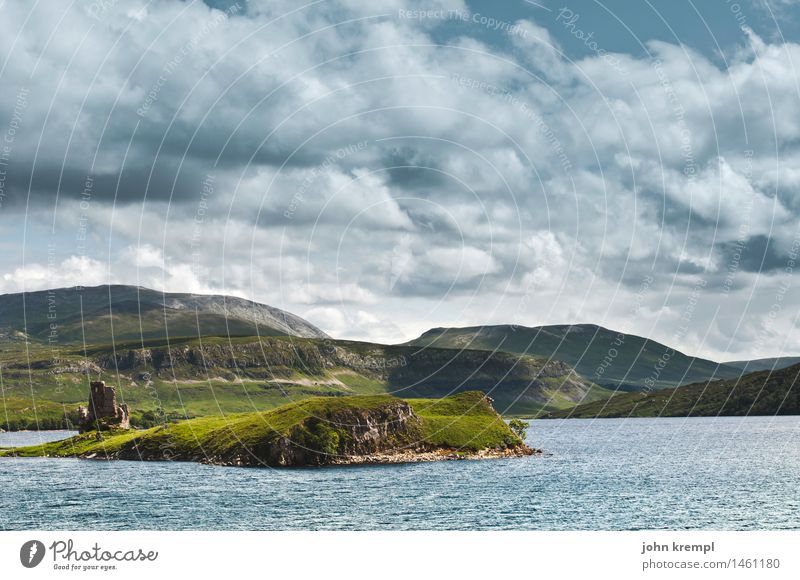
244, 373
191, 361
346, 433
428, 372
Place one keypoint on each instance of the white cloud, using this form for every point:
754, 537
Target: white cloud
74, 271
571, 178
355, 324
145, 256
328, 318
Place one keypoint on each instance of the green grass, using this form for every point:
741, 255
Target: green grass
759, 393
463, 422
80, 445
185, 398
359, 383
19, 414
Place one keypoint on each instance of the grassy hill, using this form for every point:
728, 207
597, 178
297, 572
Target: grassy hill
315, 431
765, 364
606, 357
758, 393
22, 414
191, 377
109, 314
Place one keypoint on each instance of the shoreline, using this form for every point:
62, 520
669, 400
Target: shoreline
382, 458
396, 457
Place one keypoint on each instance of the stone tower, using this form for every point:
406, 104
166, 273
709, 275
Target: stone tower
103, 411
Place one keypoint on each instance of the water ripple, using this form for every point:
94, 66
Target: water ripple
704, 473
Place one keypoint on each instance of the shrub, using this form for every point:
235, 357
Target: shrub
518, 426
317, 436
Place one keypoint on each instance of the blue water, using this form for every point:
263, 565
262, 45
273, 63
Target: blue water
702, 473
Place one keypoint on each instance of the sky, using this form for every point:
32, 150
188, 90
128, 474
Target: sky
382, 168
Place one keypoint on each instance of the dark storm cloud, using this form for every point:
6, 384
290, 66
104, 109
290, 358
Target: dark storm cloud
161, 180
224, 5
754, 254
411, 169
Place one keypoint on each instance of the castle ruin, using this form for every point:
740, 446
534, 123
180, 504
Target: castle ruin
103, 411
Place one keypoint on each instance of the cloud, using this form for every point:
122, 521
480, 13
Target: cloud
343, 158
74, 271
355, 324
328, 318
145, 256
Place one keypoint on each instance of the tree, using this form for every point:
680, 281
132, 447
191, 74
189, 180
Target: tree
518, 426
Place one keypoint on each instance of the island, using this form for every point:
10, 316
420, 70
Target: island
316, 431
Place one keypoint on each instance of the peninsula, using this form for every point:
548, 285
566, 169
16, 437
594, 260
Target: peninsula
315, 431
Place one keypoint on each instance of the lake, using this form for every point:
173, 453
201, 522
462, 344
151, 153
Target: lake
727, 473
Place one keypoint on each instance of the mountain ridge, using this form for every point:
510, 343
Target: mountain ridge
765, 364
607, 357
111, 312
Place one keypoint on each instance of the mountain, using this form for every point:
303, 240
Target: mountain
765, 364
109, 314
758, 393
606, 357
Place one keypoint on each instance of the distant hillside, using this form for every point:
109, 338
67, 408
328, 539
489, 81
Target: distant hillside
194, 377
606, 357
107, 314
765, 364
759, 393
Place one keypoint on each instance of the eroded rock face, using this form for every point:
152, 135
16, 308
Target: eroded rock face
398, 366
103, 410
345, 433
376, 430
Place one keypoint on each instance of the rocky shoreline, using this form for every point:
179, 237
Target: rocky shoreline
381, 458
437, 455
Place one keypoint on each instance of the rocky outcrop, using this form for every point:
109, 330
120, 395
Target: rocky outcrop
103, 411
269, 356
344, 434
